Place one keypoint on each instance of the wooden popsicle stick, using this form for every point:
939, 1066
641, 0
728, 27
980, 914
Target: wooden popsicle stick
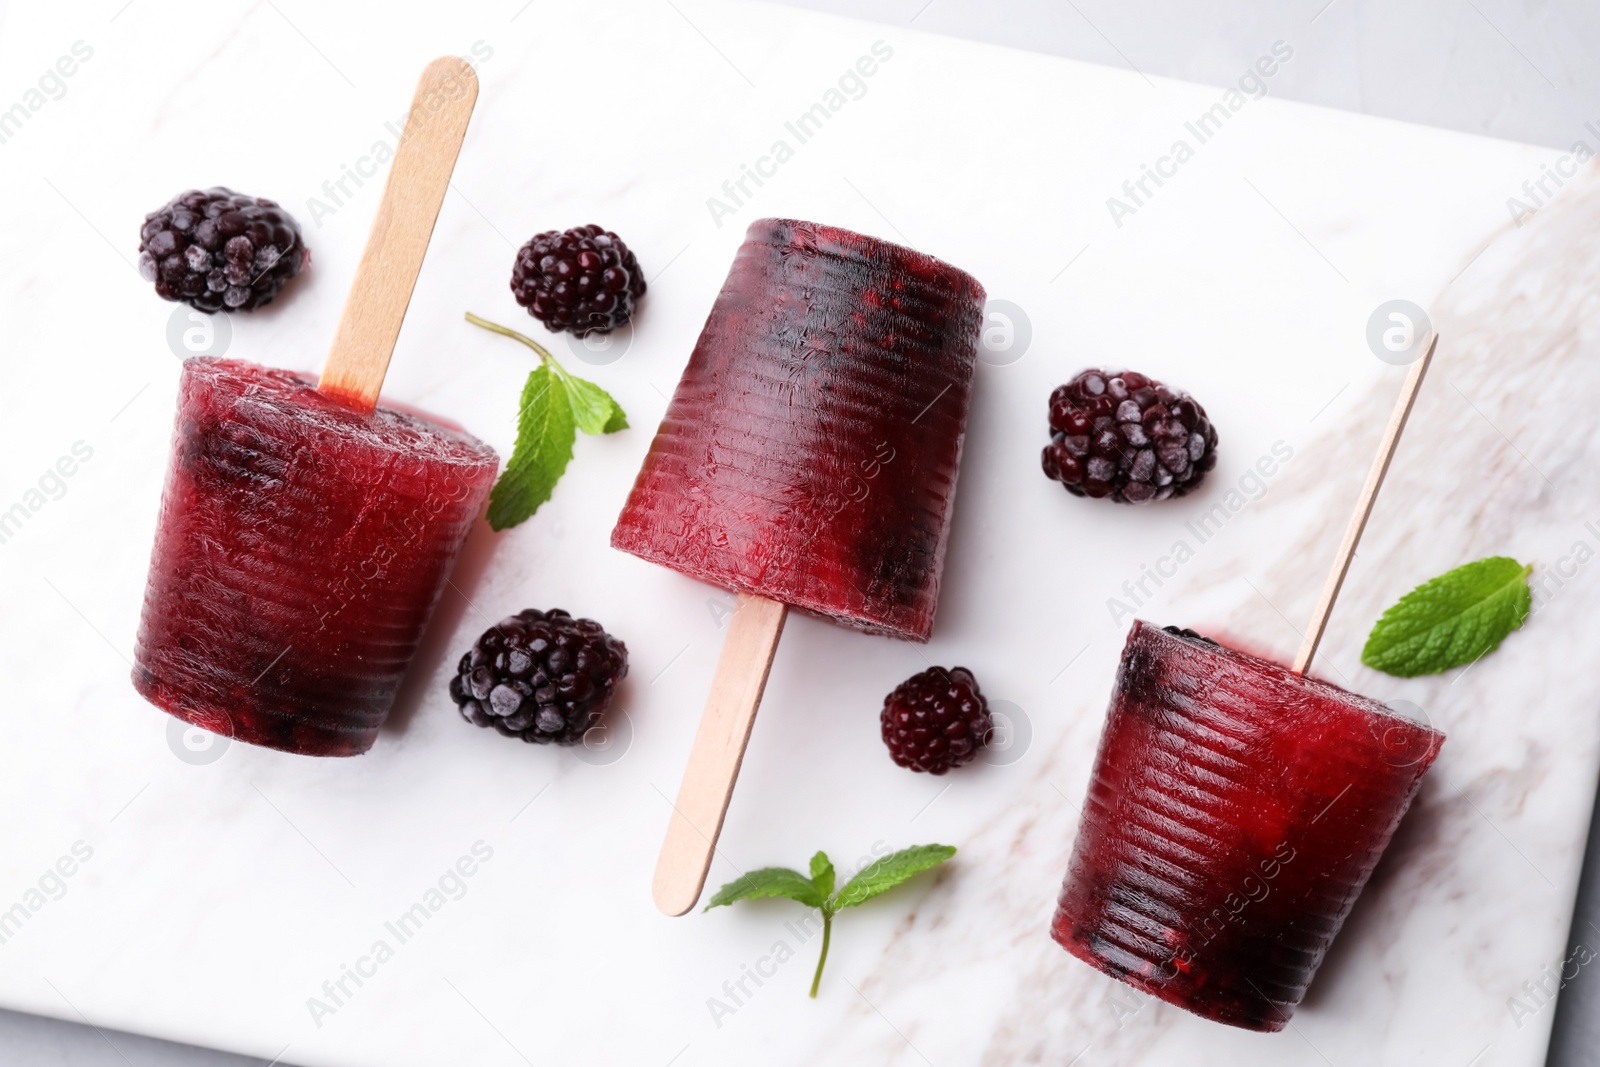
718, 750
412, 195
1358, 521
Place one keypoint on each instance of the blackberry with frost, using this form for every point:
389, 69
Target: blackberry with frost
936, 720
220, 250
542, 676
1123, 435
584, 280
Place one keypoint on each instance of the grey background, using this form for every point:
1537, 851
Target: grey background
1524, 70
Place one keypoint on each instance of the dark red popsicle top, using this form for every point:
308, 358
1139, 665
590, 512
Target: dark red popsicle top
810, 452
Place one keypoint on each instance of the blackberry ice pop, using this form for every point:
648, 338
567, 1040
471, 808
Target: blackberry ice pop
301, 549
808, 459
809, 454
1235, 811
306, 532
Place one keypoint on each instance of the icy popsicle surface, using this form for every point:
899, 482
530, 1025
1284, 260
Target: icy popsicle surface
810, 452
300, 550
1235, 811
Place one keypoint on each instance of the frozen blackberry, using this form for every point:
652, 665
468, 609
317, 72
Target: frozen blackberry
936, 720
1126, 436
542, 676
219, 249
584, 280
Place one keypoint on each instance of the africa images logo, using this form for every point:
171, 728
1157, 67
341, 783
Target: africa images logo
1251, 85
851, 85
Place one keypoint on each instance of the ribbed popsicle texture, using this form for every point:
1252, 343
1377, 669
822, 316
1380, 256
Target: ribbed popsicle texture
810, 452
1235, 812
300, 551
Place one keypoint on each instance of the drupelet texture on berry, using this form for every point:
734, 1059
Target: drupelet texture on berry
936, 720
220, 250
1123, 435
542, 676
584, 280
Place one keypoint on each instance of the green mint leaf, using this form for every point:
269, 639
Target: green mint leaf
555, 405
545, 433
592, 407
822, 875
1452, 620
889, 872
768, 882
815, 892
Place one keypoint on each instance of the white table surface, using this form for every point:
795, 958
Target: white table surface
177, 845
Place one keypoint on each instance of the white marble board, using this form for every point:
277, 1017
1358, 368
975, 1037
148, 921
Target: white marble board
219, 896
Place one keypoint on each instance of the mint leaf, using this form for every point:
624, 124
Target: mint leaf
889, 872
545, 433
822, 875
815, 892
768, 882
1454, 619
592, 407
555, 405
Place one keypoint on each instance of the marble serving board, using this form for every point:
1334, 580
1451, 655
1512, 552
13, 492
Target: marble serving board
216, 894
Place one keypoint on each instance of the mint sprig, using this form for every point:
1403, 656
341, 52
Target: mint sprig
1454, 619
817, 890
555, 405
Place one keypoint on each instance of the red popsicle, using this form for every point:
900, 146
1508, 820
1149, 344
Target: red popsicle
301, 548
306, 534
810, 452
808, 459
1235, 811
